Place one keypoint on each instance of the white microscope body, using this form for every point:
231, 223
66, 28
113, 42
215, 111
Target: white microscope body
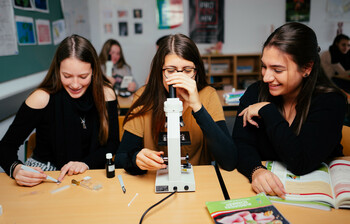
174, 177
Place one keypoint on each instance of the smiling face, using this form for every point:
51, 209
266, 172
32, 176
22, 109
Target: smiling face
281, 73
115, 53
343, 45
75, 76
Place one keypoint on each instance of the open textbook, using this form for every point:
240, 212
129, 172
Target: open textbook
257, 209
327, 187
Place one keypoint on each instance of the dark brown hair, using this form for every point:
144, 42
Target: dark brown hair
300, 42
107, 48
339, 38
80, 48
154, 94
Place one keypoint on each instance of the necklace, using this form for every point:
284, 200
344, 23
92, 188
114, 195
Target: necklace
83, 122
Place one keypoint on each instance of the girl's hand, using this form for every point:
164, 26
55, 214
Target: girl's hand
186, 89
148, 159
132, 87
267, 182
27, 178
250, 112
72, 168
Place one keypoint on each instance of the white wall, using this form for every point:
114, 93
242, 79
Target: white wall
247, 25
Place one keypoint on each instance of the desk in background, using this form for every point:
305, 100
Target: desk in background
225, 106
125, 103
238, 186
108, 205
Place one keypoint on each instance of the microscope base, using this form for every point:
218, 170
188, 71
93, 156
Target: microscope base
185, 184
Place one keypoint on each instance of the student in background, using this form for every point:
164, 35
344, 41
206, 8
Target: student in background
74, 112
294, 115
120, 67
177, 62
336, 62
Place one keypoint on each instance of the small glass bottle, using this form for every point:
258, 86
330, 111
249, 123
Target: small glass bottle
110, 169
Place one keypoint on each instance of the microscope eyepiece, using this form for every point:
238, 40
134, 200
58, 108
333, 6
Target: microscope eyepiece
172, 92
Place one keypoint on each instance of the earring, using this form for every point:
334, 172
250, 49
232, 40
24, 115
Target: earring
306, 75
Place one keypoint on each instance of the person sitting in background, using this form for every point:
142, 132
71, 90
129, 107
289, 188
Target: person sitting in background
336, 62
120, 67
177, 62
74, 112
294, 114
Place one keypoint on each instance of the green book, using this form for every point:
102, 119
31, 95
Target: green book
256, 209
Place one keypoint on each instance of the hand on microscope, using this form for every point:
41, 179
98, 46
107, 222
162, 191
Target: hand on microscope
148, 159
186, 89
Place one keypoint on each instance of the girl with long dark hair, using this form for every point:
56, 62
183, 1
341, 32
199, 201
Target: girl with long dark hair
294, 115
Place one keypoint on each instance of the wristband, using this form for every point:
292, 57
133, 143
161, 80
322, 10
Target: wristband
253, 171
12, 168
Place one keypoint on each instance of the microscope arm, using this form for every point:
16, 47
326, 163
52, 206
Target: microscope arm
219, 141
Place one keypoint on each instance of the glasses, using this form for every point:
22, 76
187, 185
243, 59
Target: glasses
189, 71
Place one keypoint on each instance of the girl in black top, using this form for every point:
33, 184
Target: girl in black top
336, 62
74, 112
294, 115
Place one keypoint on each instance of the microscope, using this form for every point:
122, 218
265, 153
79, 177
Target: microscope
176, 177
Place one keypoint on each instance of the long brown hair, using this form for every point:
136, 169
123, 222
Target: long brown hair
105, 52
154, 94
80, 48
300, 42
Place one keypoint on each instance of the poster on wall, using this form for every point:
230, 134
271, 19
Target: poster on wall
107, 14
8, 40
58, 31
41, 5
43, 31
297, 10
207, 21
338, 10
170, 13
122, 13
76, 17
25, 30
23, 5
138, 28
138, 13
108, 28
123, 29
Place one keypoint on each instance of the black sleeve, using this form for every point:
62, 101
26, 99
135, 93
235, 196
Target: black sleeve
245, 138
319, 136
125, 158
24, 123
218, 139
99, 156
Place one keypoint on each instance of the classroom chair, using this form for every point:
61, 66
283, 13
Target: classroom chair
345, 141
30, 145
121, 129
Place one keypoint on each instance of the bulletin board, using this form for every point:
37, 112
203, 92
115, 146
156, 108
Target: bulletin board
31, 58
